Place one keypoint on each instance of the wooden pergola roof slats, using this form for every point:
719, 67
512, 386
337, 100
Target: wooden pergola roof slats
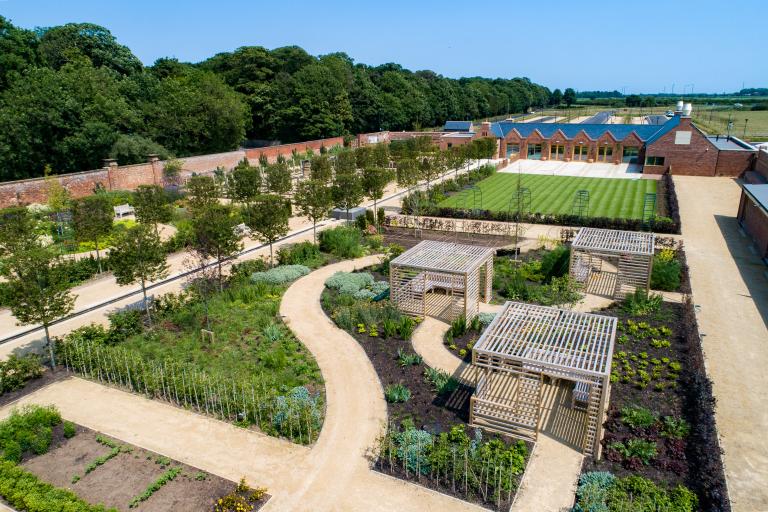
568, 340
614, 241
444, 257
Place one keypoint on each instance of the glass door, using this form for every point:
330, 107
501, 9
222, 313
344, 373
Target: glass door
534, 151
630, 155
580, 152
557, 152
605, 153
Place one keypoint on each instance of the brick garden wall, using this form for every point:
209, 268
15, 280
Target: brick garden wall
734, 163
761, 163
755, 222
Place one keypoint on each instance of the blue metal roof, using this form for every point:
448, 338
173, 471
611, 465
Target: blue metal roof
463, 126
645, 132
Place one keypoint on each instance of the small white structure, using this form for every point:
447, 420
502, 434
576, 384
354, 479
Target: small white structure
122, 210
630, 253
523, 344
442, 279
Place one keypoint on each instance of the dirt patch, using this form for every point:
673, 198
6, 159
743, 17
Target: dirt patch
125, 476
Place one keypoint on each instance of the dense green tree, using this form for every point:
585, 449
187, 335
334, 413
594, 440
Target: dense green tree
268, 218
63, 44
347, 191
557, 98
139, 257
133, 149
151, 205
202, 193
278, 178
195, 113
92, 218
244, 182
68, 118
321, 169
17, 231
18, 51
374, 181
215, 235
314, 200
38, 288
569, 96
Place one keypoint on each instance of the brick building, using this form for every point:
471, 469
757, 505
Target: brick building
753, 215
677, 147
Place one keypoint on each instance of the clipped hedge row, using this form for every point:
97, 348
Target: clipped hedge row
25, 492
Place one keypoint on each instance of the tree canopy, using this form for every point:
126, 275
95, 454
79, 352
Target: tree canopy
72, 95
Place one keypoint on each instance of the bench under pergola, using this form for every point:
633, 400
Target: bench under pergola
441, 279
630, 251
523, 344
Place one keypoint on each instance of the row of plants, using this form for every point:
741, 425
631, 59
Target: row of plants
26, 432
660, 426
482, 470
115, 449
603, 491
296, 415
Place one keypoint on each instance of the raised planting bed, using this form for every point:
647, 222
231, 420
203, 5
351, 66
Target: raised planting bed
661, 414
68, 463
427, 440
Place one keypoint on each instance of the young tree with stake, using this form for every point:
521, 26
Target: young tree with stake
314, 200
320, 169
138, 257
244, 183
215, 235
375, 180
268, 219
278, 178
38, 289
347, 191
151, 205
202, 193
92, 217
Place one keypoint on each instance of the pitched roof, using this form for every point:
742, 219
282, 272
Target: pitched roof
644, 132
464, 126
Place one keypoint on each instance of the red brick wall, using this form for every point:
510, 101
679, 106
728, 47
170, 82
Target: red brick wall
761, 163
734, 163
755, 222
699, 158
286, 150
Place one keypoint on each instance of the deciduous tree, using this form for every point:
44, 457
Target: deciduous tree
92, 218
375, 180
314, 200
268, 217
151, 205
215, 235
202, 193
139, 257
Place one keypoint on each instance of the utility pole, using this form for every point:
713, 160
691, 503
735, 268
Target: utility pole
745, 128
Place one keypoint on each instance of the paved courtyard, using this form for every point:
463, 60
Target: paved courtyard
581, 169
730, 290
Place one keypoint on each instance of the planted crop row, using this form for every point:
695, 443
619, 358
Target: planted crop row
296, 414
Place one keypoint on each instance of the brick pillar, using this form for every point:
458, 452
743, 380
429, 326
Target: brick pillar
157, 171
110, 165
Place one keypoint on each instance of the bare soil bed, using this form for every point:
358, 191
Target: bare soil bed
406, 237
125, 476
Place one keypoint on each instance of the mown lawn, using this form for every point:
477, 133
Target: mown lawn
608, 197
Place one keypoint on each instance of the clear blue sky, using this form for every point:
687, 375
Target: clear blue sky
644, 45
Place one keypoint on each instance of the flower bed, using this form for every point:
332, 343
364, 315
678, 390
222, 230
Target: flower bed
427, 440
661, 419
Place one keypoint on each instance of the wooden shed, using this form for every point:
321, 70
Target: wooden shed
442, 279
627, 256
525, 343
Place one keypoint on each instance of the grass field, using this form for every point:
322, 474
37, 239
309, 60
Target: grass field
716, 122
614, 198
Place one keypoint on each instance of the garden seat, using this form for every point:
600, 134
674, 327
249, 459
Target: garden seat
580, 395
122, 210
580, 271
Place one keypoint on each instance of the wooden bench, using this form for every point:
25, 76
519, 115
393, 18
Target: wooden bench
122, 210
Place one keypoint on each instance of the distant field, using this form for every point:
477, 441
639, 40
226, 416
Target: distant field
614, 198
716, 122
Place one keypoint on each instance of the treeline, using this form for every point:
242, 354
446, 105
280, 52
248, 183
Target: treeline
72, 95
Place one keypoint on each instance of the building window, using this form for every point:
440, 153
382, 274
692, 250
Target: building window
534, 151
604, 153
630, 154
513, 150
683, 138
450, 145
580, 152
557, 152
654, 160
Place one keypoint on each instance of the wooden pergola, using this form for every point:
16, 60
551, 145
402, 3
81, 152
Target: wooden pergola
630, 251
523, 344
441, 279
